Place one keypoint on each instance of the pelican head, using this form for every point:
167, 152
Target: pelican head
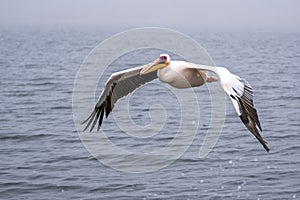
161, 62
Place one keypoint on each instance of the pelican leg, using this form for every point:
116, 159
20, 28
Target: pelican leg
204, 75
211, 79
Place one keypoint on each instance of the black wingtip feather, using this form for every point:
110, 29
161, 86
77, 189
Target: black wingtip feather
249, 114
89, 120
96, 115
96, 118
100, 120
251, 127
261, 140
89, 117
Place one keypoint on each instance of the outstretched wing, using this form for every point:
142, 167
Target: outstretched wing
241, 96
117, 86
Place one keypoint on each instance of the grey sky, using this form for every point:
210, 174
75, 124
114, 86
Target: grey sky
265, 14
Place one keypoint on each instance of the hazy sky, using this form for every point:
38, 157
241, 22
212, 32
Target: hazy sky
262, 14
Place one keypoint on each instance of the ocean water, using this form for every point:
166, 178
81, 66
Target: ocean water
42, 156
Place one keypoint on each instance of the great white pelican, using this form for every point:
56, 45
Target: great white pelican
179, 74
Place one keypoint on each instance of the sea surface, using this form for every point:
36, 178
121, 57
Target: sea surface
43, 157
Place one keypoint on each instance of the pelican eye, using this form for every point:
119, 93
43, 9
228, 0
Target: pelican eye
163, 58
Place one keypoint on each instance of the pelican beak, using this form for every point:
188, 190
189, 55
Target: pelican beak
153, 66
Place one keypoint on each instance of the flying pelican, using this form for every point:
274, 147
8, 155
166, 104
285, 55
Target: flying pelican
179, 74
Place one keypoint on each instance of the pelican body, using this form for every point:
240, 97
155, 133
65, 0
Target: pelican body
179, 74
